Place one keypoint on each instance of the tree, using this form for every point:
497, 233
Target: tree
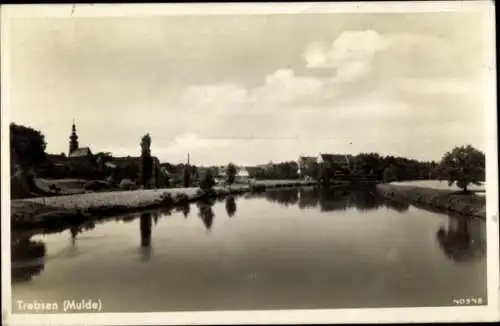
29, 145
207, 182
390, 173
186, 177
231, 173
146, 164
463, 165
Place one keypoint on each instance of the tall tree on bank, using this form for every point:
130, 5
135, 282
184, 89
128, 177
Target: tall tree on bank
27, 153
146, 162
464, 165
186, 174
230, 174
29, 145
207, 181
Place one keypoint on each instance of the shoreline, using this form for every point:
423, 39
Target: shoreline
439, 200
67, 210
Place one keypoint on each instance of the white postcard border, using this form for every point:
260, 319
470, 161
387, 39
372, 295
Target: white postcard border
379, 315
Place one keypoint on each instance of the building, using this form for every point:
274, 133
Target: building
306, 166
334, 165
75, 151
79, 153
128, 167
242, 175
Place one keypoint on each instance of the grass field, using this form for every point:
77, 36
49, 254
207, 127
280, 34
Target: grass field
435, 184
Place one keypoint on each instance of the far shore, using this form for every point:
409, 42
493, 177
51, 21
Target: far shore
77, 208
64, 211
442, 200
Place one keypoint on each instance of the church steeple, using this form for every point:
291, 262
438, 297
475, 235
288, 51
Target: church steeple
73, 139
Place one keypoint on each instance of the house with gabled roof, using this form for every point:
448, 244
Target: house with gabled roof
306, 166
82, 152
334, 164
339, 160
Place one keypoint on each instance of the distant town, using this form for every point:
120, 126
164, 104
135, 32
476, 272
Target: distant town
82, 162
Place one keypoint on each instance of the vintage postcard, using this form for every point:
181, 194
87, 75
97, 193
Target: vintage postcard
274, 163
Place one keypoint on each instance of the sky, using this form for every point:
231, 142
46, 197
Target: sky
250, 89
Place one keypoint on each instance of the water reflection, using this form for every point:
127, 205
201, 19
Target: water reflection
397, 206
334, 200
285, 197
463, 240
230, 206
331, 199
145, 226
206, 213
308, 198
185, 208
77, 229
27, 257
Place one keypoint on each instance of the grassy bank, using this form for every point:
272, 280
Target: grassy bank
450, 201
73, 209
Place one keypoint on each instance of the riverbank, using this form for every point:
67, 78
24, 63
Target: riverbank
57, 211
450, 201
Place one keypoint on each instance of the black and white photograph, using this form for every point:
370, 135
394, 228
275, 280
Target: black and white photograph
249, 163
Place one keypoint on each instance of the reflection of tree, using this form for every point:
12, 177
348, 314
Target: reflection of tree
145, 225
308, 197
458, 242
366, 199
230, 206
128, 218
397, 206
333, 199
26, 259
285, 197
206, 213
185, 209
76, 229
155, 217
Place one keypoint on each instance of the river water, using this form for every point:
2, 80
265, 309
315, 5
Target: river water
283, 249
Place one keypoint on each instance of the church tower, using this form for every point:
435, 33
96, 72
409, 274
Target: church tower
73, 139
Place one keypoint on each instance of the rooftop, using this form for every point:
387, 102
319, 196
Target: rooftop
80, 152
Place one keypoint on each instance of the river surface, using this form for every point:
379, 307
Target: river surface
283, 249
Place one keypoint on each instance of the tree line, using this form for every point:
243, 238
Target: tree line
463, 165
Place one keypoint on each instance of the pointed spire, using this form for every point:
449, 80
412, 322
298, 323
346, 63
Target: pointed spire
73, 144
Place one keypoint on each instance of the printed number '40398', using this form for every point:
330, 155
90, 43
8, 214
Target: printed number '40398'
468, 301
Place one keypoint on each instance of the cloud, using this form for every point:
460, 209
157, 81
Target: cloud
350, 54
213, 98
283, 86
380, 105
187, 142
236, 98
438, 86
